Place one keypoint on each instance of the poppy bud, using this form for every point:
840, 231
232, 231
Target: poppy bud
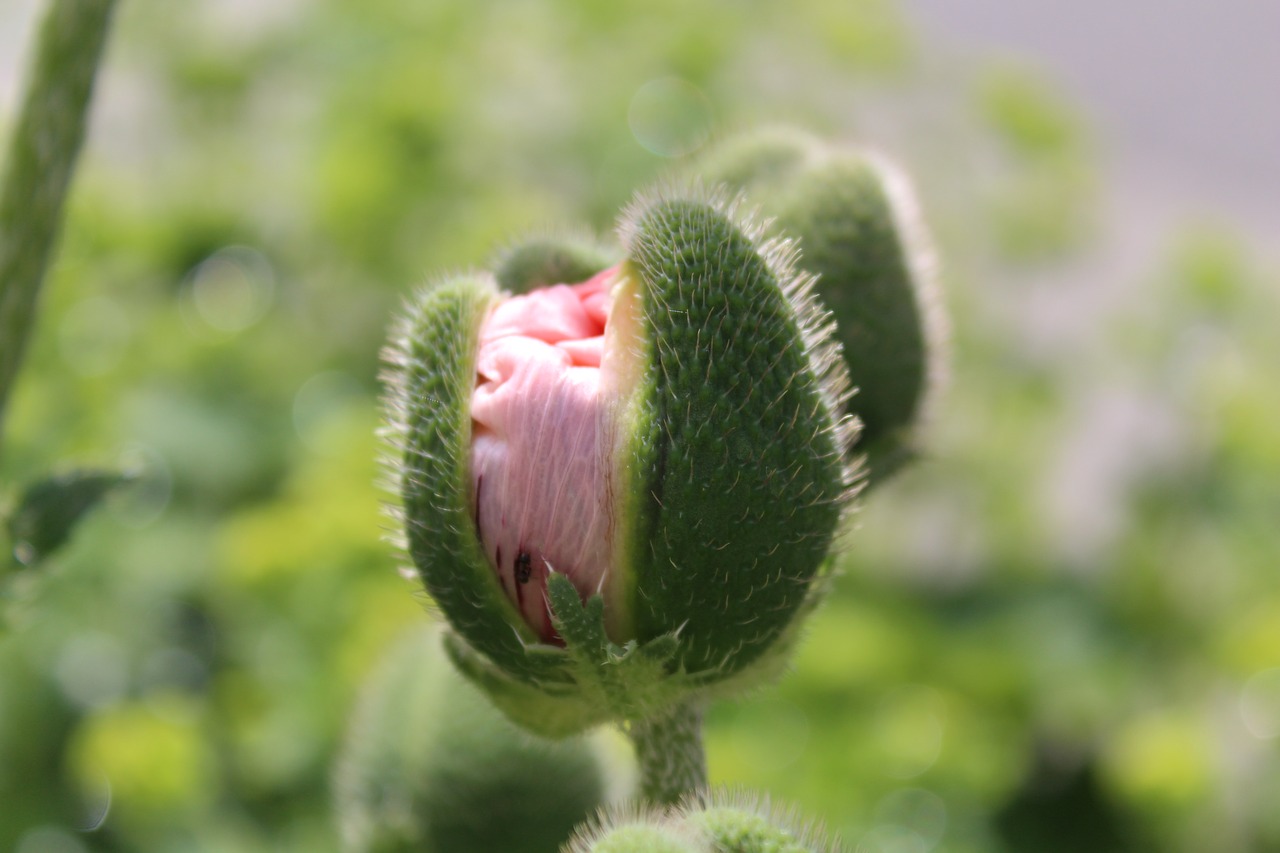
623, 490
427, 763
705, 822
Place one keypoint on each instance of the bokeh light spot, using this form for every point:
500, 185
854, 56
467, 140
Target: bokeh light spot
232, 288
91, 670
670, 117
173, 667
95, 803
788, 727
909, 729
158, 762
892, 839
921, 811
49, 839
1260, 704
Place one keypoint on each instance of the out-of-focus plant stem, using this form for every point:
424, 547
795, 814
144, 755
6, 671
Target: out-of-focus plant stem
38, 166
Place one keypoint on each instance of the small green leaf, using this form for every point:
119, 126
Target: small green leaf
581, 626
50, 509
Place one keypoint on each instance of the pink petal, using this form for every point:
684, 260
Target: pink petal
540, 444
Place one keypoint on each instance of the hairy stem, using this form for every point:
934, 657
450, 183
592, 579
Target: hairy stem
39, 162
669, 751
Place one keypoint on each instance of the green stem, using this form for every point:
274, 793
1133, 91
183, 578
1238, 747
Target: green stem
669, 751
41, 155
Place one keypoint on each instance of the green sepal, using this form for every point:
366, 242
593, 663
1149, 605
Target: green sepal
857, 228
736, 830
738, 821
716, 821
656, 837
48, 511
544, 261
432, 375
610, 682
736, 480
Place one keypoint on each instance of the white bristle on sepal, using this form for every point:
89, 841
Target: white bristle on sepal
667, 822
804, 833
924, 268
816, 325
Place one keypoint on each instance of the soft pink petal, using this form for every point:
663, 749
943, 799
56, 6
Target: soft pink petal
539, 452
551, 314
585, 352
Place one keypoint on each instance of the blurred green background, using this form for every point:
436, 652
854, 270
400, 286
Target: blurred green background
1061, 632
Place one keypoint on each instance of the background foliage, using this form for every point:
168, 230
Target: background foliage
1060, 633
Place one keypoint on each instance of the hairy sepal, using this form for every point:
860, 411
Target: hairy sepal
609, 681
735, 455
431, 376
552, 258
715, 821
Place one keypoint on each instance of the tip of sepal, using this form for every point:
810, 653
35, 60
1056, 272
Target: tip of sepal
747, 157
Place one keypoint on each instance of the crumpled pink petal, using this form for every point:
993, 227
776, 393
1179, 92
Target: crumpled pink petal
540, 443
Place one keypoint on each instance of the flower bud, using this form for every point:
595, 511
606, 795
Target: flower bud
551, 259
715, 822
623, 490
858, 227
427, 763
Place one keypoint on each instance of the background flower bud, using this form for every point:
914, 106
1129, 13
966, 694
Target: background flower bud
429, 765
857, 221
715, 822
552, 259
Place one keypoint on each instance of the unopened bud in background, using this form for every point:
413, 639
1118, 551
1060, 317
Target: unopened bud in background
857, 221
